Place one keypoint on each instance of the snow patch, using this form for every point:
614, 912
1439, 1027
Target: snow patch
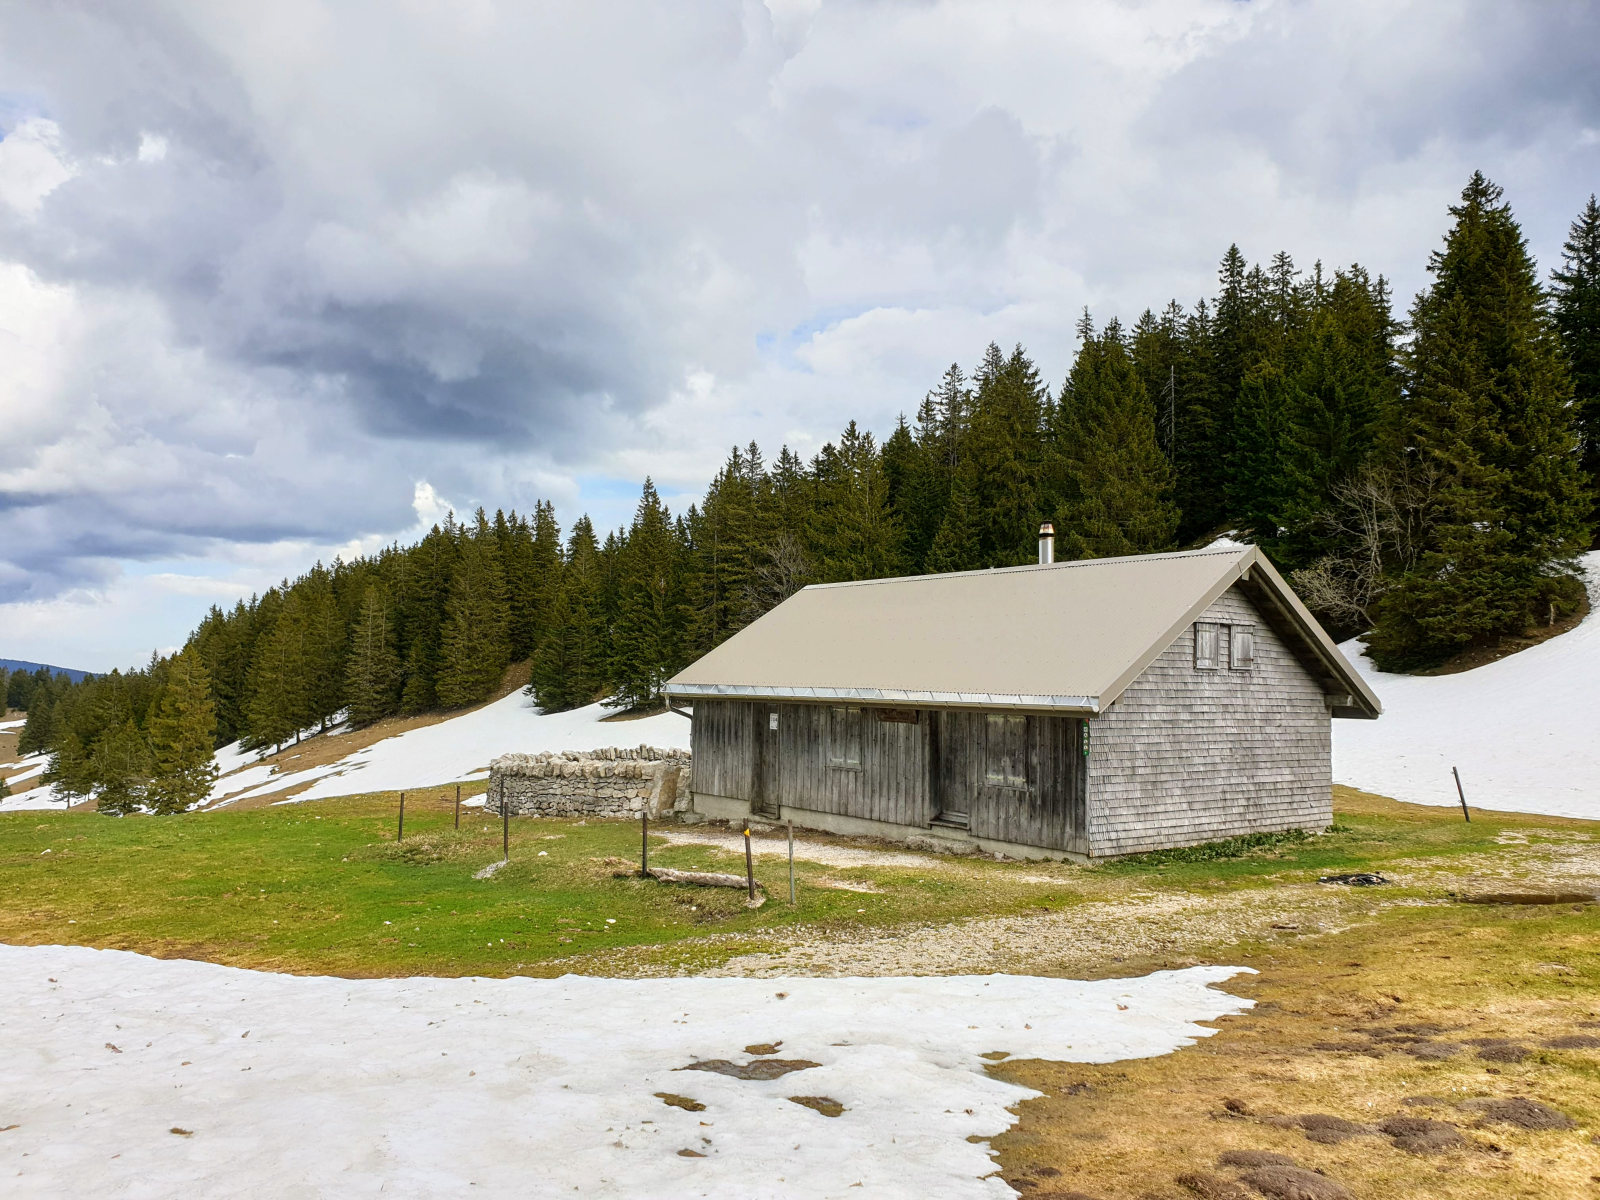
459, 750
535, 1087
1521, 730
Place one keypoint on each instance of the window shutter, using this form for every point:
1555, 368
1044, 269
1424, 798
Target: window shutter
1006, 751
1206, 640
844, 737
1243, 647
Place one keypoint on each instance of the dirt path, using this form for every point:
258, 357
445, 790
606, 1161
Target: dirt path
1087, 940
826, 853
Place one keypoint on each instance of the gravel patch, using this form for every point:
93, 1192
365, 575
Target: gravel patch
826, 853
1085, 937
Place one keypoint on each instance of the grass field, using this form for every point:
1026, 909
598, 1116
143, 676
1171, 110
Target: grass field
325, 888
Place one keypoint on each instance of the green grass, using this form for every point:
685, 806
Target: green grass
323, 887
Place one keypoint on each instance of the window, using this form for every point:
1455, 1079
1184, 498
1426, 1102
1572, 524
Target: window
1006, 752
1242, 647
1207, 646
844, 737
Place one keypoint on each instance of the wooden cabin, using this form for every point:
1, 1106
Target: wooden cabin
1079, 709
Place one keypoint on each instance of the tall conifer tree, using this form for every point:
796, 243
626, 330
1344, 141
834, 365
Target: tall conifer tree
1488, 411
1118, 483
182, 736
372, 672
644, 637
1576, 288
475, 643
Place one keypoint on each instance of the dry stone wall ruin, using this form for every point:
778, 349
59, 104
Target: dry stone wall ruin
592, 783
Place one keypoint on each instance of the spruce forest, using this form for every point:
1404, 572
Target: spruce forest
1428, 480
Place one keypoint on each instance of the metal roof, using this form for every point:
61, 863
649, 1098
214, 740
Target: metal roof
1067, 636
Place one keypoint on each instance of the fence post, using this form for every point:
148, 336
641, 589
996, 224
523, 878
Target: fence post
458, 806
791, 861
644, 842
1462, 794
749, 863
400, 834
505, 824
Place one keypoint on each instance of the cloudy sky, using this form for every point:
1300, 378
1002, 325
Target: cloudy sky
281, 281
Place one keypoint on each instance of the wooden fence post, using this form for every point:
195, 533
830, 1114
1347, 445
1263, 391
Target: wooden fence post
458, 806
791, 862
505, 824
400, 834
749, 864
644, 842
1462, 794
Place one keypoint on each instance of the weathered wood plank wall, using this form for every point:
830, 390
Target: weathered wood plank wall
738, 755
733, 757
1048, 811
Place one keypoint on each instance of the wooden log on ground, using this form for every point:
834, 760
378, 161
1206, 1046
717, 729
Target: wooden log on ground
700, 878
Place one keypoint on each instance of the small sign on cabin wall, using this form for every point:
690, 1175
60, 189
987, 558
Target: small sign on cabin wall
898, 716
772, 722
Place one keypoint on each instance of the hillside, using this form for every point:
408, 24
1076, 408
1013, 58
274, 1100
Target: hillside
1521, 730
20, 664
455, 750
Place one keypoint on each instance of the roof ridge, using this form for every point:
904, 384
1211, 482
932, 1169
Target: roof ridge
1159, 556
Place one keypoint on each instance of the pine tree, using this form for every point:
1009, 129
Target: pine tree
1487, 411
182, 738
372, 673
956, 546
324, 647
1003, 448
122, 766
644, 637
70, 770
854, 532
1576, 290
424, 590
278, 708
569, 669
1118, 483
475, 644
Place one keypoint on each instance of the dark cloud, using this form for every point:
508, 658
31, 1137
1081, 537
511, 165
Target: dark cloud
264, 269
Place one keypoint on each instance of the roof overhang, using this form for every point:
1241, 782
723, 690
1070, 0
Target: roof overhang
883, 696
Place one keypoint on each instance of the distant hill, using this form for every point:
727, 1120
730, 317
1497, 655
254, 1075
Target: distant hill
17, 664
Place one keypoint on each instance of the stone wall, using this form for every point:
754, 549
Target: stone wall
591, 783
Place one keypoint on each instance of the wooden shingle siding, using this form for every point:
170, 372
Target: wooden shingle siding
1187, 756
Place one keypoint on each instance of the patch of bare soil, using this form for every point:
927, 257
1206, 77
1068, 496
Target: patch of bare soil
673, 1100
760, 1068
826, 1105
1316, 1092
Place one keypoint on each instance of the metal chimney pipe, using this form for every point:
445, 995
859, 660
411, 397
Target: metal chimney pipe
1047, 544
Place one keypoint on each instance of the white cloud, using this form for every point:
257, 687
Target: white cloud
262, 277
31, 165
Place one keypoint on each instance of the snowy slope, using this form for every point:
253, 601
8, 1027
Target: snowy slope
455, 750
1523, 731
28, 790
285, 1085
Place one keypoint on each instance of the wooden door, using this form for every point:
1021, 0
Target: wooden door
952, 789
766, 797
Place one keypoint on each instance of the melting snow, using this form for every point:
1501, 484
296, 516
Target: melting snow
454, 751
1521, 730
534, 1087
